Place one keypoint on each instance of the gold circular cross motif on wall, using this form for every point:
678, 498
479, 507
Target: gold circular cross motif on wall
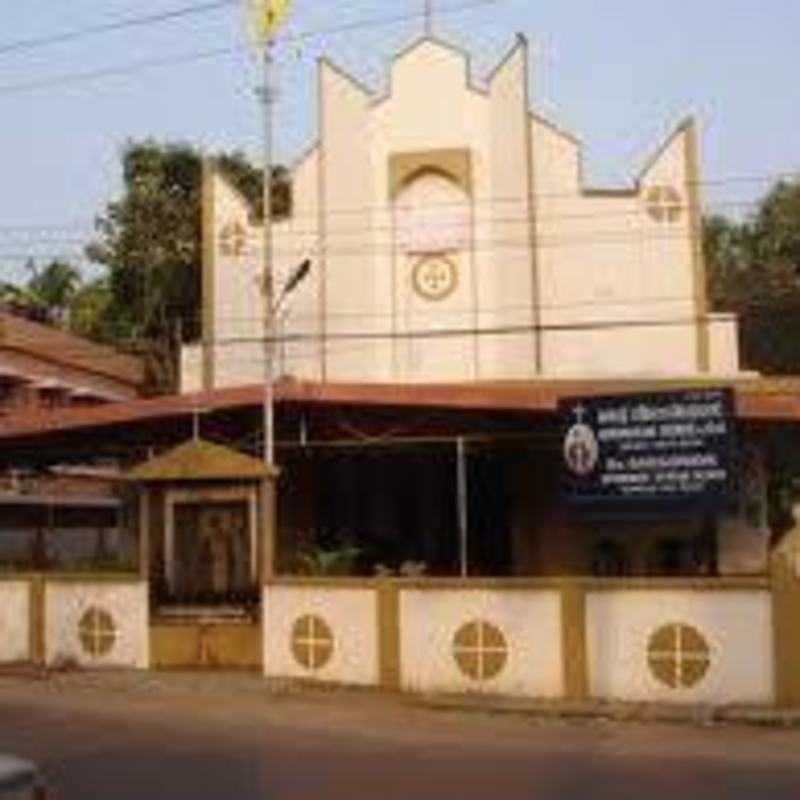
233, 240
97, 632
663, 204
678, 656
435, 278
312, 642
480, 650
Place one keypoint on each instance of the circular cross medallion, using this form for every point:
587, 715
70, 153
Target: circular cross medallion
435, 278
663, 204
312, 642
233, 240
480, 650
97, 632
678, 656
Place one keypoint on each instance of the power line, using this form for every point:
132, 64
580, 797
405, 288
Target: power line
110, 72
68, 238
449, 333
201, 55
323, 249
24, 45
578, 194
382, 21
360, 338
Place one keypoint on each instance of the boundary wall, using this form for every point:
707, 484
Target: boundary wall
687, 641
92, 621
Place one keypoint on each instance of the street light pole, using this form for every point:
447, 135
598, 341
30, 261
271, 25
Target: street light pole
268, 99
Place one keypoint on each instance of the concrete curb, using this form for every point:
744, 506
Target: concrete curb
201, 682
615, 712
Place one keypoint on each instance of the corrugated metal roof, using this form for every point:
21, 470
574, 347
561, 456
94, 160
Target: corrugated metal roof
766, 399
52, 344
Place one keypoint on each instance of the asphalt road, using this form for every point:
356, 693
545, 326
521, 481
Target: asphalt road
204, 738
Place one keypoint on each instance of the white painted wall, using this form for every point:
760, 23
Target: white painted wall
236, 299
723, 341
14, 621
65, 605
504, 255
432, 214
191, 377
736, 624
351, 614
529, 620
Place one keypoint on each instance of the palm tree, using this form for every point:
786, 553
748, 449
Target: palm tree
48, 293
54, 287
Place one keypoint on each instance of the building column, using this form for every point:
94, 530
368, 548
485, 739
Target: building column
387, 597
268, 528
573, 641
37, 621
785, 628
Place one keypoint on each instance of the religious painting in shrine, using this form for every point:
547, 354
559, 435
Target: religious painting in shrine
212, 549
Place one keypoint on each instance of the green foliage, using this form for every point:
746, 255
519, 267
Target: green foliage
48, 293
55, 285
150, 243
91, 314
319, 562
754, 272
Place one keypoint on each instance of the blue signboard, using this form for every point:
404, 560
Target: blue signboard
667, 448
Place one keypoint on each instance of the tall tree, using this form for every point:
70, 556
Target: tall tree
55, 285
91, 314
754, 272
150, 242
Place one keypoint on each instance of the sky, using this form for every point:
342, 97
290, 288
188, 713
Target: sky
619, 74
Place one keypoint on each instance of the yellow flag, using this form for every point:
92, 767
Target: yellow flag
267, 17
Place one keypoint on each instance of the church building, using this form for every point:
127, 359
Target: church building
514, 452
452, 239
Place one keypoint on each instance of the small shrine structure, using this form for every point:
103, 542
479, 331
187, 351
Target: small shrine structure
206, 523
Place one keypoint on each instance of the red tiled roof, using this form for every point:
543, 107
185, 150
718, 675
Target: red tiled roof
775, 400
57, 346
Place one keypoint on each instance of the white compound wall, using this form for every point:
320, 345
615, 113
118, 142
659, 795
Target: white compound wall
528, 621
76, 629
735, 626
346, 649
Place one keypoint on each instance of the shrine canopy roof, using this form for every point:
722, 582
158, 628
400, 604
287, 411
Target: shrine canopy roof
199, 460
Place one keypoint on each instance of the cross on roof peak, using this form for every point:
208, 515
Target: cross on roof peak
429, 18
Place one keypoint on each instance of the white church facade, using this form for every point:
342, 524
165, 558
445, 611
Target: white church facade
452, 240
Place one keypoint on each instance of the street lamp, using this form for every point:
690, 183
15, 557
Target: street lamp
264, 19
298, 275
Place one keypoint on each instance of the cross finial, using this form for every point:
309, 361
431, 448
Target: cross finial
429, 18
580, 412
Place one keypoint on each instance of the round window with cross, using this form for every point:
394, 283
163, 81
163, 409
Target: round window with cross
435, 277
312, 642
480, 650
678, 656
97, 632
